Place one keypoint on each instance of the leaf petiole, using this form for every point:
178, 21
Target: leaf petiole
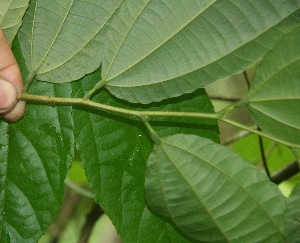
155, 137
29, 80
98, 86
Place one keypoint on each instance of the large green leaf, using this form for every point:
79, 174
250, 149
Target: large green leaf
35, 155
211, 194
61, 40
160, 49
114, 151
292, 217
274, 98
11, 14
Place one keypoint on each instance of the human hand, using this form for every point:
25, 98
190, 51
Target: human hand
11, 83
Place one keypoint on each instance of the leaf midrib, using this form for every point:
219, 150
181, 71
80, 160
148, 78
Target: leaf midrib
55, 37
269, 79
233, 181
156, 48
6, 11
258, 34
276, 119
83, 46
193, 190
122, 42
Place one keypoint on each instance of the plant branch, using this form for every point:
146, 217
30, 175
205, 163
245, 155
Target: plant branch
247, 79
263, 154
259, 133
91, 219
80, 190
286, 172
226, 99
52, 101
142, 114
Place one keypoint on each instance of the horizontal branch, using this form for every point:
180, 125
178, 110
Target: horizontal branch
52, 101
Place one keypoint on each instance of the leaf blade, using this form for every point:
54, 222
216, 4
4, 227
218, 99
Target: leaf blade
274, 104
35, 155
11, 14
116, 170
166, 66
194, 180
69, 45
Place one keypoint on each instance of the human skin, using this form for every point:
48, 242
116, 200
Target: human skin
11, 83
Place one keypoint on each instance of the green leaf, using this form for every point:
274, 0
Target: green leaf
211, 194
274, 98
35, 155
61, 40
164, 49
114, 151
292, 217
11, 14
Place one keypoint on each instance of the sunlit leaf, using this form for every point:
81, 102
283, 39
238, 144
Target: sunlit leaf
211, 194
161, 49
292, 217
35, 155
11, 14
61, 40
274, 98
114, 151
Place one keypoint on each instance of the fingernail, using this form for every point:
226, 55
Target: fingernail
8, 96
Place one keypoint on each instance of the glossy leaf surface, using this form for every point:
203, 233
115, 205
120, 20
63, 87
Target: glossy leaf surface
61, 40
35, 155
114, 150
11, 14
274, 98
161, 49
211, 194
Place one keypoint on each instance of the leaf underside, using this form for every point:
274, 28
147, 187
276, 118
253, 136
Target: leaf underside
161, 49
211, 194
150, 50
61, 40
140, 44
274, 98
11, 14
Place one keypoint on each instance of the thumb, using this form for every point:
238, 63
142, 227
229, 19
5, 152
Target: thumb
8, 96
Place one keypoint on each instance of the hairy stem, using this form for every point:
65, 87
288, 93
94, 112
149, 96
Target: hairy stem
142, 114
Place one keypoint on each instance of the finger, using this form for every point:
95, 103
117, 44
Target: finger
9, 70
8, 96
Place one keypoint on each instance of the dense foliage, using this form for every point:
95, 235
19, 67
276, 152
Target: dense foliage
121, 83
